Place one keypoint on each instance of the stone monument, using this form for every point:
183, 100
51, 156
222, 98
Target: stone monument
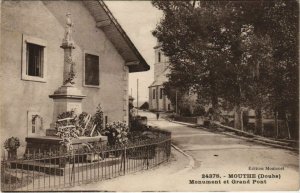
67, 97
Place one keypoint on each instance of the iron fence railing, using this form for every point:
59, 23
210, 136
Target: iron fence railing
52, 170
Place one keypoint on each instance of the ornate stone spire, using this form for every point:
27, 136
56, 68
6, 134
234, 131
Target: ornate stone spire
67, 97
68, 41
68, 44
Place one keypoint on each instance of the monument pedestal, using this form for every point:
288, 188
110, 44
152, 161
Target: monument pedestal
47, 143
65, 98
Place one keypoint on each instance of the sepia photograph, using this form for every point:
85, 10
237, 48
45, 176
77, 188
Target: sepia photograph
149, 95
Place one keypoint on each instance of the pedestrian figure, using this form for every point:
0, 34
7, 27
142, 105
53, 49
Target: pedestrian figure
157, 115
172, 117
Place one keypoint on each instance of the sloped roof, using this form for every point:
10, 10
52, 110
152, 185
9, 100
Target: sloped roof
114, 32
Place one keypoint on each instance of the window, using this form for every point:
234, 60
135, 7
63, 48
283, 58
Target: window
34, 59
153, 93
35, 123
91, 70
161, 93
159, 57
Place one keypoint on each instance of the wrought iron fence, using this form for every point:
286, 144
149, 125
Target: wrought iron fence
44, 171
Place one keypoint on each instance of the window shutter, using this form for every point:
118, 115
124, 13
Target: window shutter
91, 70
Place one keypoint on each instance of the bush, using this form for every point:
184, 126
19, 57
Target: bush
116, 133
71, 126
173, 116
145, 106
138, 123
185, 111
97, 120
199, 111
12, 143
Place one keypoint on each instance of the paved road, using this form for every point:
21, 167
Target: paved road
208, 153
215, 153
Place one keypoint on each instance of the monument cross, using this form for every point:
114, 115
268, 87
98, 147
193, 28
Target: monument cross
67, 97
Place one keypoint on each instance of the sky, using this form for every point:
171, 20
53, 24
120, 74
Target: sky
138, 19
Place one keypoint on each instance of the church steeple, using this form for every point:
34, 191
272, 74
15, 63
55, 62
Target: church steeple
161, 61
158, 101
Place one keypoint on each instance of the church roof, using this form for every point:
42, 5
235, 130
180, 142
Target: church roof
115, 33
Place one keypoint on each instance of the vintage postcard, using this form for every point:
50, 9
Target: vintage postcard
132, 96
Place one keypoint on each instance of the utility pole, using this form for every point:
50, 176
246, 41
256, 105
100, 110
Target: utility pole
137, 95
176, 102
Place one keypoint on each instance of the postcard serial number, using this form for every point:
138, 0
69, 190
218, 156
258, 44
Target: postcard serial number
210, 176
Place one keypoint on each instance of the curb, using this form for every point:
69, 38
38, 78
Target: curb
262, 142
183, 123
241, 137
191, 159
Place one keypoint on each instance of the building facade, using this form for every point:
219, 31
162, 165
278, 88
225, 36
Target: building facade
32, 62
158, 101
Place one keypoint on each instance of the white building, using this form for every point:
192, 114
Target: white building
32, 62
158, 101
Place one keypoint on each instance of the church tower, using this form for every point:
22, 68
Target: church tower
158, 101
161, 62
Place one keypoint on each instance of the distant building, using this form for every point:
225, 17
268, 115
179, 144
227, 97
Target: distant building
158, 101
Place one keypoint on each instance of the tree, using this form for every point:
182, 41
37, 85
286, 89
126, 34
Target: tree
241, 51
175, 94
145, 106
188, 39
203, 44
272, 52
283, 22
